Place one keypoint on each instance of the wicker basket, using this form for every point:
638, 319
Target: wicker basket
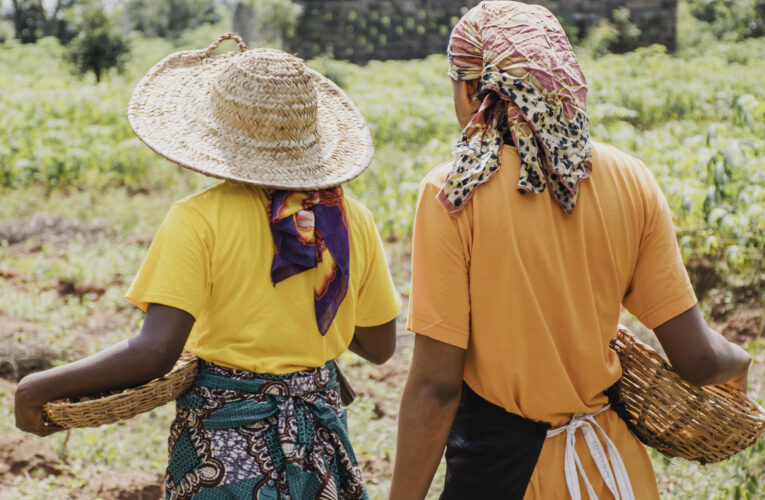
127, 403
704, 424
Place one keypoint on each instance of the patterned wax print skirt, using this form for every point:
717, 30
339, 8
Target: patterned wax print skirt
239, 434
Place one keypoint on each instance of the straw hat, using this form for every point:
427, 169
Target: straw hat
258, 116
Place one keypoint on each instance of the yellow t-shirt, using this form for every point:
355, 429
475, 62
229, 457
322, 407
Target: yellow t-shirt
212, 258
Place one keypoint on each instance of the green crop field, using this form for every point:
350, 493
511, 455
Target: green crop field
80, 198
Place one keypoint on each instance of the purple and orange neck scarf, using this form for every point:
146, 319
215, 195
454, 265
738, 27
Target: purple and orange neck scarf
310, 231
533, 89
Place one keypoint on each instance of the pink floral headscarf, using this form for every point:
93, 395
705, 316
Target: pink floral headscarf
534, 91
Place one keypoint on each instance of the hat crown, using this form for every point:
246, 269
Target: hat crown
268, 96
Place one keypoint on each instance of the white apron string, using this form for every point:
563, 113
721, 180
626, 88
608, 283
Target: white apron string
617, 481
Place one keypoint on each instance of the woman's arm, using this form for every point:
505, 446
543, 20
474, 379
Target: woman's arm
134, 361
428, 407
375, 343
701, 355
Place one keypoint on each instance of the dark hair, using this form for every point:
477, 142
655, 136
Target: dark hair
480, 92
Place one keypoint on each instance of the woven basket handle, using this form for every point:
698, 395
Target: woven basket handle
226, 36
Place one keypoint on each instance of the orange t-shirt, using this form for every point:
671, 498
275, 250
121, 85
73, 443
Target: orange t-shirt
534, 295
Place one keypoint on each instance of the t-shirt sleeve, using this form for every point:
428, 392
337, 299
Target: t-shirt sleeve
176, 269
439, 302
660, 288
378, 301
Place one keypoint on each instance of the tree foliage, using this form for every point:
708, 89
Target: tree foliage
266, 22
98, 46
32, 20
617, 34
731, 19
169, 18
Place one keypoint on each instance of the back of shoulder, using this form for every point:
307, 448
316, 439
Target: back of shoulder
221, 193
624, 180
225, 204
359, 216
227, 198
434, 180
611, 160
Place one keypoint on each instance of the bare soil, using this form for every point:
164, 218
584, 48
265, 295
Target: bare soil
46, 228
377, 469
123, 486
705, 275
25, 455
24, 348
744, 323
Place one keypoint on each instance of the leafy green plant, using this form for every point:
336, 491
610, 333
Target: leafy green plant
6, 30
169, 18
267, 22
98, 46
731, 19
571, 29
34, 19
617, 34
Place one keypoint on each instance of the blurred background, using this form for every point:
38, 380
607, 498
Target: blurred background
678, 84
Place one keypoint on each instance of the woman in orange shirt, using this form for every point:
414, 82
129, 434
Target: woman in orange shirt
516, 293
267, 277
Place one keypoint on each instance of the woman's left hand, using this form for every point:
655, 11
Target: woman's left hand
739, 382
29, 412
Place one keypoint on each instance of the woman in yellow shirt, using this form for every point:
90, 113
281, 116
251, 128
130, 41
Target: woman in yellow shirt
516, 293
267, 277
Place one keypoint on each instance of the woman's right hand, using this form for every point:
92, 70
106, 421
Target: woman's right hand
134, 361
28, 410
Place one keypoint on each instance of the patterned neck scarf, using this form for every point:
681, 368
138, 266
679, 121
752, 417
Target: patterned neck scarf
533, 89
310, 231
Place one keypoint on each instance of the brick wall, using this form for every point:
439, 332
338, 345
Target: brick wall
360, 30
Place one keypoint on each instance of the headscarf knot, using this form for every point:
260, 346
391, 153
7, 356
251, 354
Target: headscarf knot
533, 92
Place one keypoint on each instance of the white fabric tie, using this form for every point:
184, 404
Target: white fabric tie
617, 480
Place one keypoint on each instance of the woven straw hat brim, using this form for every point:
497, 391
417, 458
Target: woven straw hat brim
171, 112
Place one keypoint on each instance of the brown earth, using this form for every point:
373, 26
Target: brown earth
705, 275
22, 281
7, 387
144, 239
106, 318
744, 323
68, 287
377, 468
392, 375
393, 372
24, 348
123, 486
724, 302
15, 278
25, 455
43, 227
